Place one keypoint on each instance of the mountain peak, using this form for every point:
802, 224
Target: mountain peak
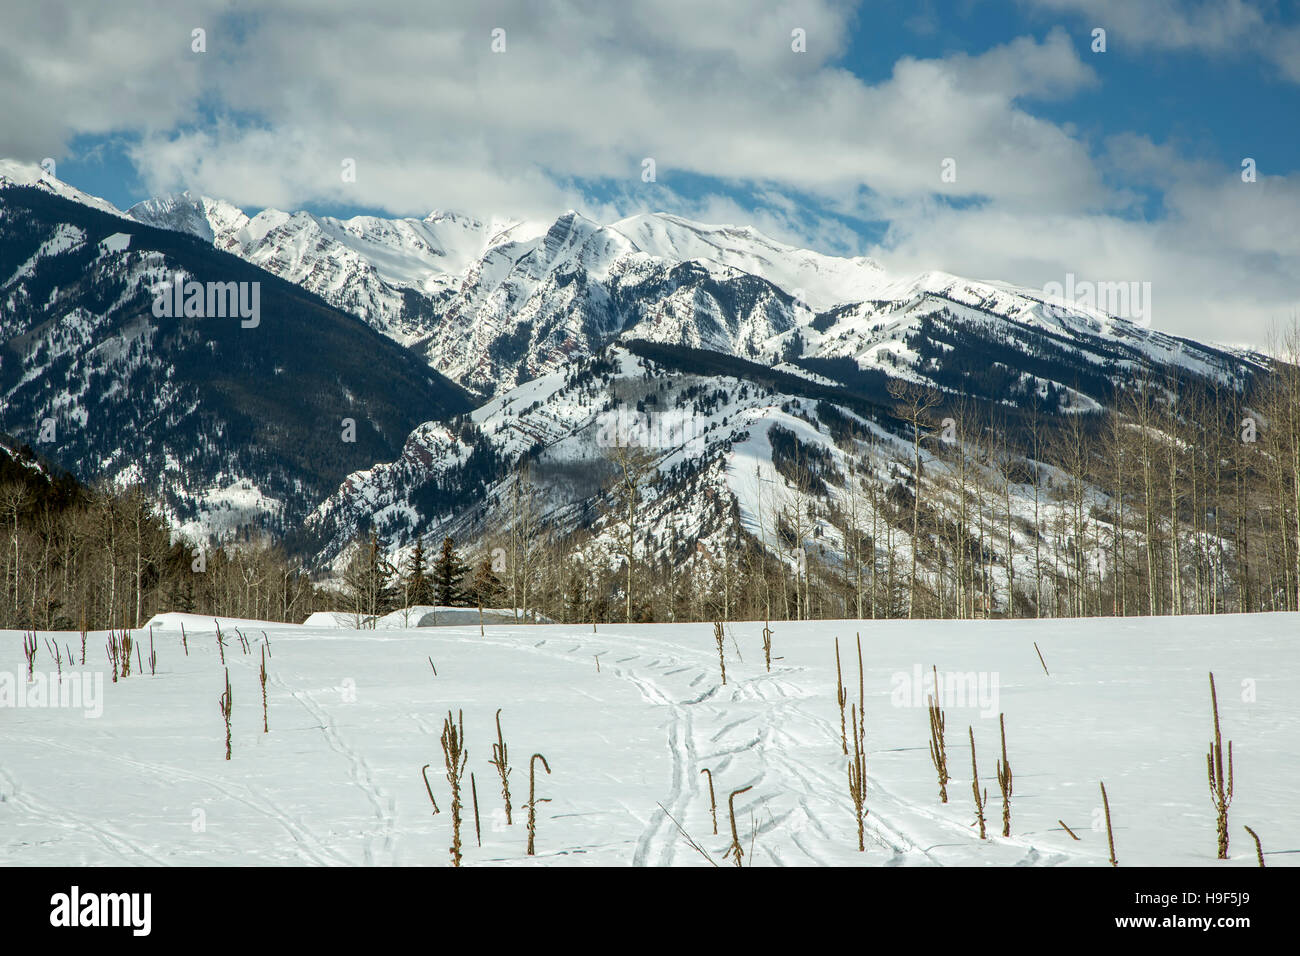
16, 173
213, 220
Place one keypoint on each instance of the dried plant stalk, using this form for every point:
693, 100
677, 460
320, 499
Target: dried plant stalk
266, 723
500, 760
938, 749
1220, 786
455, 756
1110, 833
842, 697
858, 780
57, 654
226, 702
722, 660
1259, 849
713, 803
424, 772
532, 798
862, 700
975, 786
1004, 779
736, 851
478, 829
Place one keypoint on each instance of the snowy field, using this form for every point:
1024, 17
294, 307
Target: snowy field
139, 776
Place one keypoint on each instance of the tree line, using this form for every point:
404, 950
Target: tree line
373, 585
1182, 497
78, 558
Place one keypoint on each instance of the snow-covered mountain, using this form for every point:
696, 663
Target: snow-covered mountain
493, 303
14, 173
231, 421
391, 272
736, 454
772, 363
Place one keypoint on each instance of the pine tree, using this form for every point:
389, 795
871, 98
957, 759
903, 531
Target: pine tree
486, 589
419, 588
447, 573
368, 580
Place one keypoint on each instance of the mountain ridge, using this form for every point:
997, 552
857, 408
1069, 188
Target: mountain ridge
551, 328
217, 418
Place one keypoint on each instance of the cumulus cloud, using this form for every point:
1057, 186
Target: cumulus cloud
794, 143
75, 68
1226, 28
433, 116
1222, 261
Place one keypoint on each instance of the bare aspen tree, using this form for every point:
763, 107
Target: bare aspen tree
633, 468
1036, 439
524, 531
1144, 414
854, 534
914, 403
1174, 485
1117, 454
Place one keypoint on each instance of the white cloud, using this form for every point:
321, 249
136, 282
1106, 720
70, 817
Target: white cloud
1227, 28
69, 68
585, 90
434, 118
1222, 265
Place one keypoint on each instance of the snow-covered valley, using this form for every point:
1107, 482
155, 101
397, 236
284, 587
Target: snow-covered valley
627, 718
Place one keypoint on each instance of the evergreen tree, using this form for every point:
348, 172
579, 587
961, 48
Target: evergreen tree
447, 573
419, 588
486, 589
368, 580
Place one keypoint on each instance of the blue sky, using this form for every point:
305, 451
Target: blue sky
1116, 165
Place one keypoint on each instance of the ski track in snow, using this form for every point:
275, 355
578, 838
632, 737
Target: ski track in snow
60, 818
383, 803
888, 822
309, 845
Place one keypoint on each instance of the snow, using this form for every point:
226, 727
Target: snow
117, 242
224, 508
354, 715
330, 619
820, 281
212, 220
419, 615
173, 621
64, 238
13, 172
487, 276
